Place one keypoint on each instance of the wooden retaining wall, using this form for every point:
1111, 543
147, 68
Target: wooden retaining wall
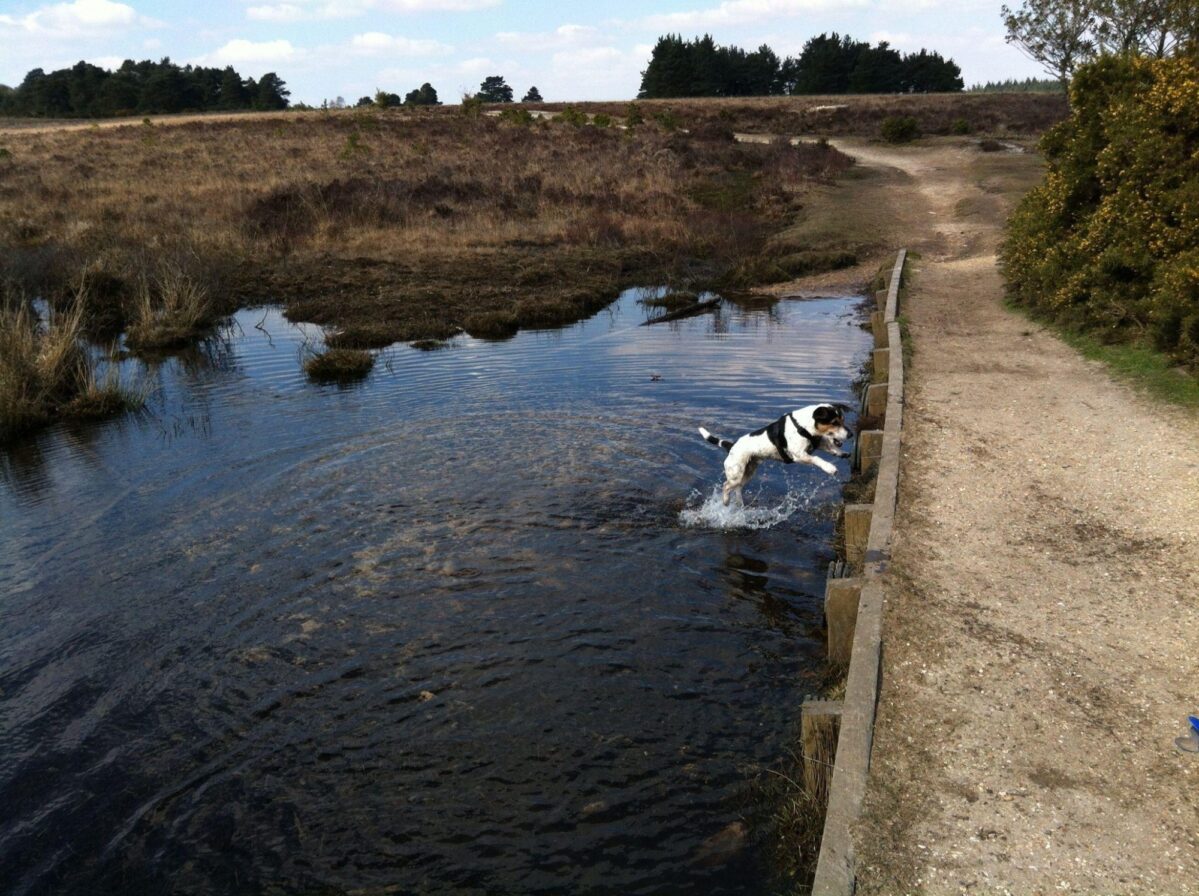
854, 610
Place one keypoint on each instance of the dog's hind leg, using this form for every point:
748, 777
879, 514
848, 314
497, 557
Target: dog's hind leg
737, 472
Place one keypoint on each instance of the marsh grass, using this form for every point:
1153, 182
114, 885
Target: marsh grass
170, 311
47, 372
339, 365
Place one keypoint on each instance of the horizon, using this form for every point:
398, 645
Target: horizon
329, 49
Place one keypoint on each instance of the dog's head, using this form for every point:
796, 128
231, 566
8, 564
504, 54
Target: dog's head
829, 420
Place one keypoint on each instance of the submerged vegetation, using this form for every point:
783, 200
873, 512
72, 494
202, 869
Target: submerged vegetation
47, 371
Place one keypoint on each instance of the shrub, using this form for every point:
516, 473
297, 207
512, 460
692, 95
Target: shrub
572, 116
633, 116
1109, 242
472, 106
900, 129
602, 120
961, 127
668, 119
521, 117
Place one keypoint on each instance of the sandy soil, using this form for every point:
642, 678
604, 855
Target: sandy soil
1041, 646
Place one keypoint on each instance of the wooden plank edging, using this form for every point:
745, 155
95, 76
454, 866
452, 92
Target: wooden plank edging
835, 866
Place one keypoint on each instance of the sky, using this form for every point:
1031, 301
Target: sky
569, 50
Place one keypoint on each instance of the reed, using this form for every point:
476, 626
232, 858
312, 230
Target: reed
47, 372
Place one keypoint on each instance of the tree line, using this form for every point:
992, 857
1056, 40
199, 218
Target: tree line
828, 64
88, 91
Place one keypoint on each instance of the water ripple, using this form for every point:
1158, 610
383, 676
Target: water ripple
475, 625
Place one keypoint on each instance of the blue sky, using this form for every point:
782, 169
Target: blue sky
569, 50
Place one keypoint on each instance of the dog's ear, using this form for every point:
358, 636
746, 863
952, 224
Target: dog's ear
825, 414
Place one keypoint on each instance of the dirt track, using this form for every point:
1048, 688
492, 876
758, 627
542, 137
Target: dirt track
1041, 632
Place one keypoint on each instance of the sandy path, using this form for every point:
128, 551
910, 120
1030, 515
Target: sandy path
1041, 647
35, 126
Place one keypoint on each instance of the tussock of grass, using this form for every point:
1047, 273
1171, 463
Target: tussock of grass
339, 365
169, 312
793, 821
46, 371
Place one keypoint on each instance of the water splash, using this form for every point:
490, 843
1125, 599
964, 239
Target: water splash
711, 513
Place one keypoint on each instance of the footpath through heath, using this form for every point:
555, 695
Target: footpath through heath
1041, 636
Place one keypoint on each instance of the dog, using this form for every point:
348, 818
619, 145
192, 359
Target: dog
792, 438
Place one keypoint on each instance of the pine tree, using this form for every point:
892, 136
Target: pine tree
494, 89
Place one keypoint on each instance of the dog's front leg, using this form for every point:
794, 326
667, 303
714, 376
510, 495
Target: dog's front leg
817, 462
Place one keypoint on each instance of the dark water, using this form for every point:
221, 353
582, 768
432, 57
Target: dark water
468, 627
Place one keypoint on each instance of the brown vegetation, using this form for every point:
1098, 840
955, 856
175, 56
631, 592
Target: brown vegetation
997, 114
47, 372
386, 226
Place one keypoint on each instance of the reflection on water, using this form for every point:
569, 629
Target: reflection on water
470, 626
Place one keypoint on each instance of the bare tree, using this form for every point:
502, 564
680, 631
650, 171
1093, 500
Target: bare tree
1055, 33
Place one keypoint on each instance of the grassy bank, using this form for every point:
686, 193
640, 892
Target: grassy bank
1141, 366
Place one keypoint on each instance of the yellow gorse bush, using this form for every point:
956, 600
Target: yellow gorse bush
1110, 241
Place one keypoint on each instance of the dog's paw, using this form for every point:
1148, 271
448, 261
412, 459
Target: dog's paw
843, 454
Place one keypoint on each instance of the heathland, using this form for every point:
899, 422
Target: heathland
419, 224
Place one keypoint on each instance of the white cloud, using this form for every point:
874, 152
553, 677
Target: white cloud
245, 51
112, 63
75, 19
595, 73
312, 10
740, 12
378, 42
560, 37
282, 12
435, 5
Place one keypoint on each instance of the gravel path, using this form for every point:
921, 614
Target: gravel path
1041, 642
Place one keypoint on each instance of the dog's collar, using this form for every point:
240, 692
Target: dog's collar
814, 441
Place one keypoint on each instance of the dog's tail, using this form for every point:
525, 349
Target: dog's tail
726, 444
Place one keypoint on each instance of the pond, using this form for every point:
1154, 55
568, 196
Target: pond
470, 626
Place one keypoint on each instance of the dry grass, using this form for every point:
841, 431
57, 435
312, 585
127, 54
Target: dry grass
46, 371
388, 226
339, 365
169, 312
995, 114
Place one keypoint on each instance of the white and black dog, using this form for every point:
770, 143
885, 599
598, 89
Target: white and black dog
792, 438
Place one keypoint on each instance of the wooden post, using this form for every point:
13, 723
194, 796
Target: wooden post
876, 400
857, 532
879, 327
819, 727
882, 364
870, 449
880, 299
841, 617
